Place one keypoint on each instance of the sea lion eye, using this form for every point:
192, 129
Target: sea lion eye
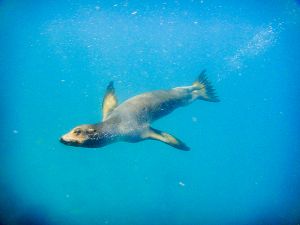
77, 131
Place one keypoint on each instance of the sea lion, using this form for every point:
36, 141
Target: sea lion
130, 121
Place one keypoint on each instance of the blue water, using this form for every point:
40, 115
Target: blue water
56, 60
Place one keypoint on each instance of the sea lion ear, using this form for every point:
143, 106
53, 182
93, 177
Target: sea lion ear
110, 101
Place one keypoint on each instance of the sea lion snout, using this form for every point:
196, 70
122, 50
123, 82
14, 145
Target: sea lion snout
62, 140
65, 139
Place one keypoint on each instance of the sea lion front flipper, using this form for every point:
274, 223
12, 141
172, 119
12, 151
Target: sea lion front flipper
110, 101
158, 135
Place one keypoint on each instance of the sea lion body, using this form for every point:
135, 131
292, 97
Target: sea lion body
137, 113
148, 107
131, 120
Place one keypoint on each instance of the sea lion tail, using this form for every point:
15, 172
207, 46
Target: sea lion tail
203, 89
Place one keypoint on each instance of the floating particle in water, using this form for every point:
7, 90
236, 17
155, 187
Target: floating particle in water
15, 131
194, 119
133, 13
181, 184
62, 81
97, 7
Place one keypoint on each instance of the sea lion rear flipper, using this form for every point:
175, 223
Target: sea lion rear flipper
203, 89
110, 101
166, 138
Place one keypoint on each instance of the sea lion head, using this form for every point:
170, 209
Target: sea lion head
88, 135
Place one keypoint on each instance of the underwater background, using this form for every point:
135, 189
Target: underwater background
56, 59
